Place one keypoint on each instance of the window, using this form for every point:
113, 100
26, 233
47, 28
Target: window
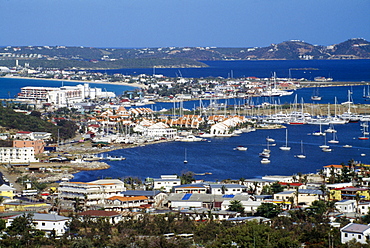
346, 235
359, 236
42, 223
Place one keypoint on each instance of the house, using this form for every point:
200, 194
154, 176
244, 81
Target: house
47, 223
91, 193
333, 169
187, 201
190, 188
255, 185
305, 196
200, 214
221, 189
166, 182
363, 208
346, 206
24, 135
121, 203
112, 216
355, 231
155, 197
7, 192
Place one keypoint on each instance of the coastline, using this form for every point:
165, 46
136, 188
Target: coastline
135, 85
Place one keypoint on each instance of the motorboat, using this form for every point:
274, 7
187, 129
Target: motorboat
347, 146
265, 161
241, 148
326, 149
270, 139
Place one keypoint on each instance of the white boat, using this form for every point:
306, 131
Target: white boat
316, 96
334, 140
110, 158
326, 149
270, 139
325, 145
365, 131
265, 161
191, 138
302, 154
185, 160
347, 146
241, 148
286, 147
319, 133
330, 129
207, 135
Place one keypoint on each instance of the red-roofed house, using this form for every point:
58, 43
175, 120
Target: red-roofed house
112, 216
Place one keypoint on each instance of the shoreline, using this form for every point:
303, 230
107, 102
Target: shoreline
134, 85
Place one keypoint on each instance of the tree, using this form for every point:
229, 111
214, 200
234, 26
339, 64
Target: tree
236, 206
268, 210
187, 177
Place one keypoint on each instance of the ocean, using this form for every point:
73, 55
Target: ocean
217, 155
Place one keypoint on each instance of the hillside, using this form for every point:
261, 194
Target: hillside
181, 57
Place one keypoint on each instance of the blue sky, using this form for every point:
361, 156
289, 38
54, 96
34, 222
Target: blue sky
164, 23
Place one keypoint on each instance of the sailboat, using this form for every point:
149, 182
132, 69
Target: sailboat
365, 131
286, 147
331, 129
316, 96
325, 145
266, 152
185, 160
319, 133
301, 155
334, 140
366, 95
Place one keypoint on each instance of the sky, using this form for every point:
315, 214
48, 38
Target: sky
181, 23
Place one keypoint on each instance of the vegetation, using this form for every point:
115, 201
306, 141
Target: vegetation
13, 120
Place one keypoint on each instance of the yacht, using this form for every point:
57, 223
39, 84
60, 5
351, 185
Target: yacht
241, 148
265, 161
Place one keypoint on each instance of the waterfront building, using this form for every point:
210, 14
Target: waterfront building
14, 155
166, 182
47, 223
160, 130
62, 96
333, 169
91, 193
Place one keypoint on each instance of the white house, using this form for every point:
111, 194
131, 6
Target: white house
358, 232
231, 189
160, 129
17, 155
363, 208
166, 182
46, 223
346, 206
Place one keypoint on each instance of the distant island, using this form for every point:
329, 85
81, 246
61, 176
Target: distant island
63, 57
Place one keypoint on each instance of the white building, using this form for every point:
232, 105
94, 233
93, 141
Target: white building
355, 231
63, 96
17, 155
95, 192
166, 182
160, 129
346, 206
227, 189
46, 223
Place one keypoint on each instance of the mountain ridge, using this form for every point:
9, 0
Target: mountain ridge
90, 57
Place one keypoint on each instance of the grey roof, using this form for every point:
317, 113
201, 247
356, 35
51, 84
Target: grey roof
205, 197
196, 185
44, 217
355, 228
310, 191
141, 192
259, 180
227, 186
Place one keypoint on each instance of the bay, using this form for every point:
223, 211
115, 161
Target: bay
218, 157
